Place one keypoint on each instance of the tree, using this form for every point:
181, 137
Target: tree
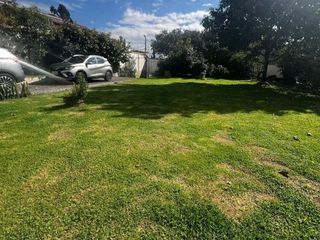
26, 31
29, 35
71, 39
262, 26
182, 52
61, 12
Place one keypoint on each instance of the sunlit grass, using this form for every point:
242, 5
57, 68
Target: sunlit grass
166, 159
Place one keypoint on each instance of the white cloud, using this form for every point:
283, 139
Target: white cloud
207, 5
135, 24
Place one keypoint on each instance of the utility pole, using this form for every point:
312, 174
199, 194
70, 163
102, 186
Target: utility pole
145, 44
146, 57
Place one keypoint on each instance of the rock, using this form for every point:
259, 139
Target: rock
296, 138
229, 183
309, 134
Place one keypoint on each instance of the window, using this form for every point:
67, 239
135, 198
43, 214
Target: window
76, 59
100, 61
92, 61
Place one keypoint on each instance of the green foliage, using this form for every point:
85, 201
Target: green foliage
189, 53
30, 35
25, 32
182, 52
301, 70
61, 12
264, 27
25, 91
78, 93
15, 90
218, 71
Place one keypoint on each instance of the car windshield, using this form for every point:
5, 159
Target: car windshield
76, 59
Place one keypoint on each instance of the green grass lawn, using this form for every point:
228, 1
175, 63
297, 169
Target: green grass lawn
161, 159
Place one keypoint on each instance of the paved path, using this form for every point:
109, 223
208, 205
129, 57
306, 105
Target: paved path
49, 85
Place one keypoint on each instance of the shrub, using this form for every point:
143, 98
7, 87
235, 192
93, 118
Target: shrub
301, 70
185, 62
25, 91
15, 90
218, 71
78, 93
240, 65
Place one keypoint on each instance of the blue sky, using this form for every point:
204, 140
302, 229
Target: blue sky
135, 18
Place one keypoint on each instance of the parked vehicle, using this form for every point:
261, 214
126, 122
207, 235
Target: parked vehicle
10, 69
87, 67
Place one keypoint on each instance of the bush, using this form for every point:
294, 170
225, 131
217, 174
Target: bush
240, 66
218, 71
15, 90
78, 93
301, 70
185, 62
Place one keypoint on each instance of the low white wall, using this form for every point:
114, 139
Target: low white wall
152, 66
140, 60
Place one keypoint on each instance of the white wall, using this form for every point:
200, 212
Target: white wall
152, 66
140, 60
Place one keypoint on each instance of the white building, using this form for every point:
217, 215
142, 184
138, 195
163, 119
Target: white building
143, 65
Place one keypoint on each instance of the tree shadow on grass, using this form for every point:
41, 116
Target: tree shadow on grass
155, 101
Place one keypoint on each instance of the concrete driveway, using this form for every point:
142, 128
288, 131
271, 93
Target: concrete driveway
39, 86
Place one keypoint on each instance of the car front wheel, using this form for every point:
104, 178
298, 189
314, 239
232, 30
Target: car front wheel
7, 80
108, 76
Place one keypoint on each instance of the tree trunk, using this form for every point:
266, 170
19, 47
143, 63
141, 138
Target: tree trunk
265, 65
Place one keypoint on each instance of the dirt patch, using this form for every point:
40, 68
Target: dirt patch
225, 167
234, 192
169, 118
223, 138
43, 179
5, 136
76, 114
60, 135
180, 149
305, 186
180, 181
149, 227
237, 206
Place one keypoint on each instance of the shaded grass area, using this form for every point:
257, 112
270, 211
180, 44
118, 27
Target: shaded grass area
161, 159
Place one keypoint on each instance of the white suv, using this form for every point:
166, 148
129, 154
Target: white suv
81, 66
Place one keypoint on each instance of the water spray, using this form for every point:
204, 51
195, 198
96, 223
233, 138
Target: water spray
39, 70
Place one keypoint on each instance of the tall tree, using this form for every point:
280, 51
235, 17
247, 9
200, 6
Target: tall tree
264, 26
61, 12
